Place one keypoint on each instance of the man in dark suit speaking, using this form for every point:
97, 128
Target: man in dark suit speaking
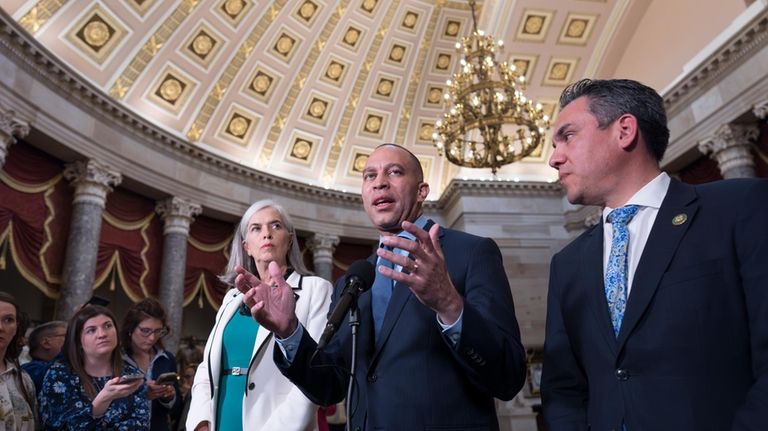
657, 317
438, 338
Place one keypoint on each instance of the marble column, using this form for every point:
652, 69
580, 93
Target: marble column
761, 110
10, 129
177, 215
92, 181
322, 246
731, 147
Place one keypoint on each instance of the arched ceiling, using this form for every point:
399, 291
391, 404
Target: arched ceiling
305, 89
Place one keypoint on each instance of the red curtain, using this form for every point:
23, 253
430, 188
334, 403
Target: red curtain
35, 214
702, 170
130, 245
35, 210
207, 255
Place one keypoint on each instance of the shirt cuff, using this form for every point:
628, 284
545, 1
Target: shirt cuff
289, 345
453, 331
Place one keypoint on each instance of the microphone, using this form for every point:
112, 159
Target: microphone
359, 279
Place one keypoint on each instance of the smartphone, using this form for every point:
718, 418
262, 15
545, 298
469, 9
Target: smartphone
130, 378
166, 379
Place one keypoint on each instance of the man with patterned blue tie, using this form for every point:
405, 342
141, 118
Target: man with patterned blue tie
657, 318
438, 337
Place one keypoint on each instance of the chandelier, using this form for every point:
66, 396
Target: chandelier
489, 122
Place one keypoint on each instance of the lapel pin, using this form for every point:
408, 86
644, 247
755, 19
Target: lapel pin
679, 219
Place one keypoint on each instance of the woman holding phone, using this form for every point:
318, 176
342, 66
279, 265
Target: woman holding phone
238, 385
144, 327
92, 388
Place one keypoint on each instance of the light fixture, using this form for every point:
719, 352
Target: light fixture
489, 122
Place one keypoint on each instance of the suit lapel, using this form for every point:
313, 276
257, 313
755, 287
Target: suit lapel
592, 265
662, 244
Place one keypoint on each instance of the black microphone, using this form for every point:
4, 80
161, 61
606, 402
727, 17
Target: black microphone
359, 279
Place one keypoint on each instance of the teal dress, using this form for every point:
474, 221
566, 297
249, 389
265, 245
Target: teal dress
237, 345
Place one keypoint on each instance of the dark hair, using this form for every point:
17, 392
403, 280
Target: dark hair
148, 308
73, 346
609, 99
14, 349
419, 171
41, 331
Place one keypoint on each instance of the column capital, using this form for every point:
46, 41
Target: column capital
730, 146
593, 218
92, 180
322, 246
323, 242
10, 128
177, 214
728, 136
761, 110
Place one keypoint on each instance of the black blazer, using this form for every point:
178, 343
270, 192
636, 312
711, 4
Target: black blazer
412, 378
692, 353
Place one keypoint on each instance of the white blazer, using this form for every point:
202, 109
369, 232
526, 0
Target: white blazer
271, 401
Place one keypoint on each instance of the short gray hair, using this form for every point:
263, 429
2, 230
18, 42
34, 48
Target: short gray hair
43, 330
237, 255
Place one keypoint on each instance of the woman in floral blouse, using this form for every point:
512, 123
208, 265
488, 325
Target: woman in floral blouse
18, 407
86, 391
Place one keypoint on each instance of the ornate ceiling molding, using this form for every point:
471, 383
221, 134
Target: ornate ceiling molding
750, 38
18, 46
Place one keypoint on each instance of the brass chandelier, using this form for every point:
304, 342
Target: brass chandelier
489, 122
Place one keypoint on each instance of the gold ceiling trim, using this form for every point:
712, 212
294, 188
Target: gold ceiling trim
245, 49
298, 83
418, 73
39, 14
354, 97
150, 49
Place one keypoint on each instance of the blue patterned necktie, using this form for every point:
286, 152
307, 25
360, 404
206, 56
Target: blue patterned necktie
616, 272
381, 292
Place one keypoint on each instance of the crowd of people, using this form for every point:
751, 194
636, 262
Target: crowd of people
656, 317
90, 373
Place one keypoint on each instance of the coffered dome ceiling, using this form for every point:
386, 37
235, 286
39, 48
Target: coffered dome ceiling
305, 89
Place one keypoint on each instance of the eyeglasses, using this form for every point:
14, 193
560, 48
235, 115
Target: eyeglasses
146, 332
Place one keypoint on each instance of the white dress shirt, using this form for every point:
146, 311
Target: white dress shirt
649, 199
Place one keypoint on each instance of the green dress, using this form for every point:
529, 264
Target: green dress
237, 347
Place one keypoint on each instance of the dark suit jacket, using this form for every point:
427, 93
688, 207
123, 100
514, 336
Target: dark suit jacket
692, 352
413, 379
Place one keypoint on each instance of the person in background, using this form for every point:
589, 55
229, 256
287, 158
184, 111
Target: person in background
45, 342
142, 332
23, 327
237, 386
189, 353
657, 318
187, 378
18, 406
89, 389
438, 338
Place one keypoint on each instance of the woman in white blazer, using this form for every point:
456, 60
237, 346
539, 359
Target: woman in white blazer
238, 386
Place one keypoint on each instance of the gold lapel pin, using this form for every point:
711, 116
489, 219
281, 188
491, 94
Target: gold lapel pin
679, 219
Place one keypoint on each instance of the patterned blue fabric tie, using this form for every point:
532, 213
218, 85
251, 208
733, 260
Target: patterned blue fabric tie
616, 272
381, 292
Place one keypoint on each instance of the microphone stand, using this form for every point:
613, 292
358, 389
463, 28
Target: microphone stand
354, 323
